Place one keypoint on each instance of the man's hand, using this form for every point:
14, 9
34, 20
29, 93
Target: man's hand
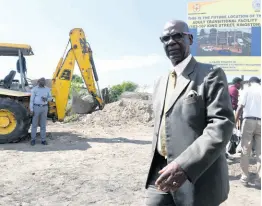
172, 177
31, 113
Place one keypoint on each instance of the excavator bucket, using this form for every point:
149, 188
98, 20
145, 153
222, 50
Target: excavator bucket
83, 104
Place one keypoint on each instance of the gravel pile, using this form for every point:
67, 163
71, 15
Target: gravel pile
122, 112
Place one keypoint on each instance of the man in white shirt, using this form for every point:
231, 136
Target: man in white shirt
250, 105
40, 96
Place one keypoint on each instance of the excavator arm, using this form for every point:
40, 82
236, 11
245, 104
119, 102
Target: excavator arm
81, 53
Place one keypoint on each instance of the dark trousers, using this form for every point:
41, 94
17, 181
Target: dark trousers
155, 197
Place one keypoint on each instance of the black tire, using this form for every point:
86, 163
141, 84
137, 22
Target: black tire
23, 120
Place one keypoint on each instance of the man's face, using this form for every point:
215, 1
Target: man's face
176, 41
239, 85
41, 82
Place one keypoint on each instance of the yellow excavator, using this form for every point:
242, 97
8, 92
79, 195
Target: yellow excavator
15, 119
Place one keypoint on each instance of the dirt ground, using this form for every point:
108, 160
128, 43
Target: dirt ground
89, 166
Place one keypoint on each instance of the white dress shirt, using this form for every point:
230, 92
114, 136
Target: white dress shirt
251, 100
182, 65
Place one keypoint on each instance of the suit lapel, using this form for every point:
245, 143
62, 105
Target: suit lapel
162, 93
181, 83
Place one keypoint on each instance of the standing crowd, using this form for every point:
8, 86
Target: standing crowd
247, 109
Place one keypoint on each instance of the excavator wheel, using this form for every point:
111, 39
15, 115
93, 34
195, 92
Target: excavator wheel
15, 121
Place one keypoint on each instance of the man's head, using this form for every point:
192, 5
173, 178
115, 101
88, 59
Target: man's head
41, 82
254, 80
176, 40
237, 82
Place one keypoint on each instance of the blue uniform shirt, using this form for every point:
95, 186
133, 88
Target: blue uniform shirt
36, 96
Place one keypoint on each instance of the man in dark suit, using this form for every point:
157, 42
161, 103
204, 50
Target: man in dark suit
194, 121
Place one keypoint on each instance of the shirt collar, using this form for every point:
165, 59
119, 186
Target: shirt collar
182, 65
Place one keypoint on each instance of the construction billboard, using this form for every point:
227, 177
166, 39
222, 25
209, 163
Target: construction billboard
228, 34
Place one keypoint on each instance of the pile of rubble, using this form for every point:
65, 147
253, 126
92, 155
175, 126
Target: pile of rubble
126, 111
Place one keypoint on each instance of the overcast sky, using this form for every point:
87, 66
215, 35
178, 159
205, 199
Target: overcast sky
124, 35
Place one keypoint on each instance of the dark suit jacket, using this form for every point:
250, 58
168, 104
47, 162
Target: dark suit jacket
197, 131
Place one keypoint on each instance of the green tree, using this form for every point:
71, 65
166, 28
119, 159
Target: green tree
76, 84
116, 90
77, 79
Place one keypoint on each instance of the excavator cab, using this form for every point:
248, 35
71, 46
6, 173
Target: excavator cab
20, 51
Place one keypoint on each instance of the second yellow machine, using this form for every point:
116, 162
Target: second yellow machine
15, 119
